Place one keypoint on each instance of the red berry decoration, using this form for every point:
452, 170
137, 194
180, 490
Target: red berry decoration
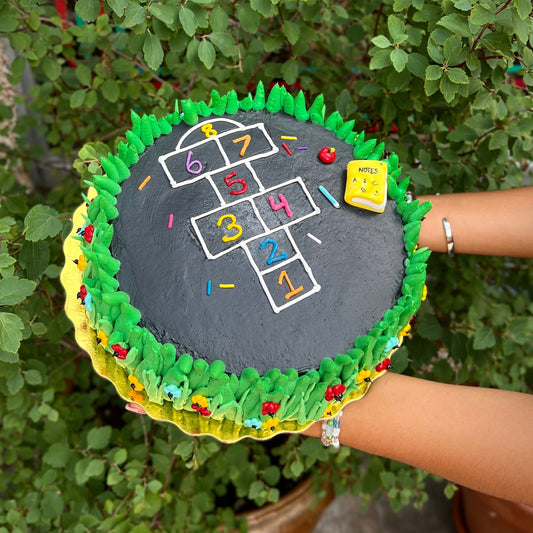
83, 293
336, 392
270, 408
384, 365
88, 233
327, 155
119, 352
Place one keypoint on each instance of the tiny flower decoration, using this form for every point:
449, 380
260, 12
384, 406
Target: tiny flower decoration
119, 351
253, 423
270, 408
101, 338
271, 423
328, 412
364, 375
173, 392
199, 404
405, 331
87, 232
81, 262
135, 384
424, 294
82, 294
392, 344
384, 365
336, 392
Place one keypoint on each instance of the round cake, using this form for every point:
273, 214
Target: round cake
245, 267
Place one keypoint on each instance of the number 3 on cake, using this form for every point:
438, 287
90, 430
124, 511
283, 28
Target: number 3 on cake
230, 226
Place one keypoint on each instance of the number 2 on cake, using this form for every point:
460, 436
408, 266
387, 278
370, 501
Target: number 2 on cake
273, 258
230, 227
293, 292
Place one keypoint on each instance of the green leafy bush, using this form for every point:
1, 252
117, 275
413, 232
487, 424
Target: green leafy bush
446, 85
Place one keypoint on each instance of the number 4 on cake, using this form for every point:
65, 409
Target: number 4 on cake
366, 185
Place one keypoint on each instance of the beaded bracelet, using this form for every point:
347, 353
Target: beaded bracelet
331, 429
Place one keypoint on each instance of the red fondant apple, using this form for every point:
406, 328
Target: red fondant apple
327, 155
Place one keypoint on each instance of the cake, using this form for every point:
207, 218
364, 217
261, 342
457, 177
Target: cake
220, 280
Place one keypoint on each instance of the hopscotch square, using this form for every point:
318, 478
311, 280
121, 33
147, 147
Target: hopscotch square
288, 284
191, 164
271, 250
299, 204
230, 192
237, 223
255, 143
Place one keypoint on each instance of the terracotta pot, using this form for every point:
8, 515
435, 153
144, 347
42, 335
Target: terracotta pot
291, 514
475, 512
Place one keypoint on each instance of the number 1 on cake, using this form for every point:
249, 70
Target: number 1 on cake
293, 292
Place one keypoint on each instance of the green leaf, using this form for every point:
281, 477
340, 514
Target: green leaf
289, 70
88, 10
434, 72
381, 41
272, 475
416, 64
13, 290
484, 338
291, 30
399, 59
188, 20
457, 75
264, 7
6, 260
153, 51
499, 139
52, 68
224, 42
447, 88
396, 27
134, 14
6, 223
165, 13
523, 7
218, 19
11, 327
248, 18
57, 455
77, 98
388, 479
207, 54
381, 59
41, 222
98, 438
457, 24
111, 90
33, 377
118, 6
84, 74
95, 468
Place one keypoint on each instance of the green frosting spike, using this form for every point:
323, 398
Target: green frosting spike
421, 255
317, 107
217, 369
359, 139
135, 140
136, 123
364, 150
218, 103
288, 104
132, 156
392, 162
156, 130
110, 169
106, 184
107, 280
106, 234
115, 298
123, 151
351, 138
232, 104
147, 136
122, 168
334, 121
273, 104
168, 357
345, 129
247, 103
190, 116
420, 212
316, 118
164, 126
415, 268
377, 153
185, 363
203, 109
300, 111
259, 98
327, 366
173, 118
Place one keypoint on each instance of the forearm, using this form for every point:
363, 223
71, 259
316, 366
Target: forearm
488, 223
479, 438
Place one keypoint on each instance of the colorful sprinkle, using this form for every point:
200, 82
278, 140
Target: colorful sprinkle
316, 239
226, 286
170, 220
302, 148
286, 148
141, 186
208, 290
288, 138
332, 200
